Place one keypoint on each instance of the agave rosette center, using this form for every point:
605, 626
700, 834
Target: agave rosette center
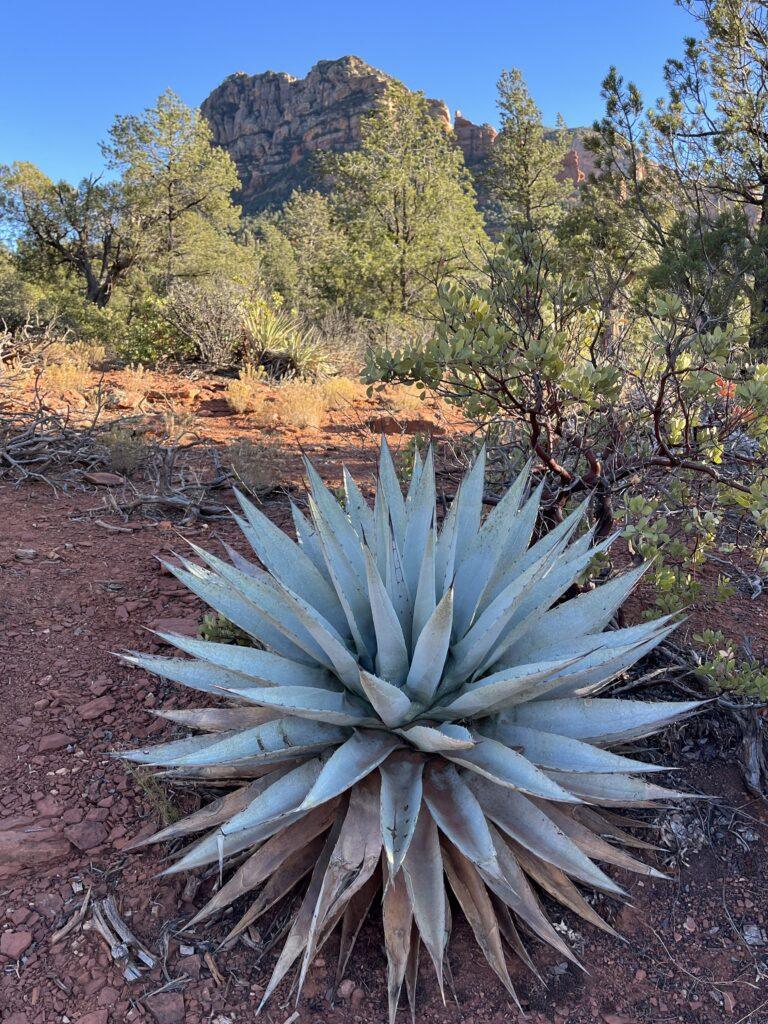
417, 715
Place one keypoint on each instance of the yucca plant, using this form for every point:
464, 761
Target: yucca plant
417, 707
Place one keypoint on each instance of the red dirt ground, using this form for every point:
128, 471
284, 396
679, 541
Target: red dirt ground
72, 809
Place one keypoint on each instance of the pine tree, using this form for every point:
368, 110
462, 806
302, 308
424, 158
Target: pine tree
525, 176
407, 205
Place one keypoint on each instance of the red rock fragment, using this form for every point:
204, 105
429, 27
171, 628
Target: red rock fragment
13, 944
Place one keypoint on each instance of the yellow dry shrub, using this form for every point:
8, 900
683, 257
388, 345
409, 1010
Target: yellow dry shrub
247, 393
300, 404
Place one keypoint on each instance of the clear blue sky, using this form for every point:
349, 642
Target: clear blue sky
68, 67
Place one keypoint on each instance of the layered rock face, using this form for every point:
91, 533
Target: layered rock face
272, 125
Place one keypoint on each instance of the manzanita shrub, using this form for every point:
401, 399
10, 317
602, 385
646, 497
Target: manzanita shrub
418, 713
659, 412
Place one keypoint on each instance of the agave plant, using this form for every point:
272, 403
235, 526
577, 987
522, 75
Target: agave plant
416, 714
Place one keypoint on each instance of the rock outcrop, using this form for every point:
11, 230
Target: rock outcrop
273, 125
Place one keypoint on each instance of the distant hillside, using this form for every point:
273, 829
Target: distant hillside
272, 125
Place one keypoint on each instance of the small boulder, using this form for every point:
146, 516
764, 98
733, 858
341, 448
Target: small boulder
86, 834
13, 944
167, 1007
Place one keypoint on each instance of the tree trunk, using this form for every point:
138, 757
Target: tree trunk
758, 330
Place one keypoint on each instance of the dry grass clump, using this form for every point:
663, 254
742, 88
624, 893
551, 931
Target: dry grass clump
257, 465
246, 394
126, 448
340, 392
296, 403
67, 365
300, 404
404, 401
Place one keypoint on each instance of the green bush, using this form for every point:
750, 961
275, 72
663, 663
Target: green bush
148, 338
663, 426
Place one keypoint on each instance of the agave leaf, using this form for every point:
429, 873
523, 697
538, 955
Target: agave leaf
509, 686
480, 641
412, 970
243, 613
288, 563
557, 884
401, 790
423, 867
353, 918
430, 652
510, 933
424, 602
299, 932
330, 520
509, 769
239, 771
381, 532
597, 659
293, 869
445, 550
389, 702
487, 558
588, 643
391, 652
416, 471
602, 720
587, 613
240, 561
268, 859
358, 509
272, 811
511, 550
266, 595
350, 763
458, 814
470, 504
354, 859
614, 790
514, 890
606, 823
475, 902
273, 741
334, 650
309, 541
604, 669
552, 750
397, 917
389, 486
308, 702
530, 826
197, 675
168, 753
435, 738
593, 845
283, 795
262, 667
517, 556
563, 571
397, 586
418, 522
220, 719
349, 582
212, 814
